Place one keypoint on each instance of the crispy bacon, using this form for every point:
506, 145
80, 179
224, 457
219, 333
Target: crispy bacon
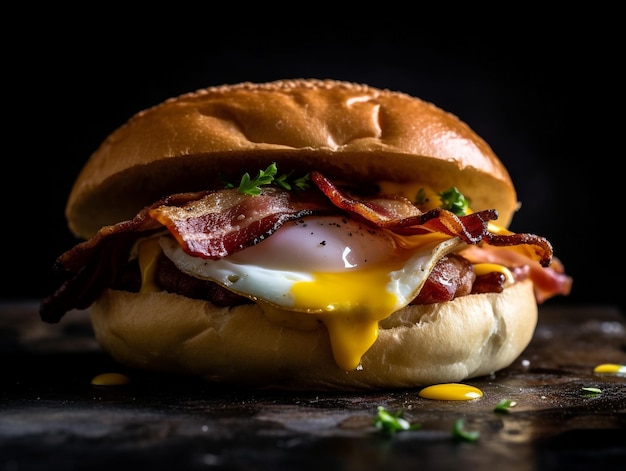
399, 215
82, 254
226, 221
84, 271
380, 211
534, 246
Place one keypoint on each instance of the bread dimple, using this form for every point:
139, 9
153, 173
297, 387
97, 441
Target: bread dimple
346, 130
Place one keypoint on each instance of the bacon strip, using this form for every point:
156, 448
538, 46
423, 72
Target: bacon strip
401, 216
89, 267
226, 221
534, 246
380, 211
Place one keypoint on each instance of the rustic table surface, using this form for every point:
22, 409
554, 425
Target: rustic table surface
51, 417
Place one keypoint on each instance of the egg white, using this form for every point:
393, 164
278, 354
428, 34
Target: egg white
365, 269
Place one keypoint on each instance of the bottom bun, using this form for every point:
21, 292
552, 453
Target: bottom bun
471, 336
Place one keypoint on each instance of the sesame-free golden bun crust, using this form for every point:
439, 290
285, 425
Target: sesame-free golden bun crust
345, 130
468, 337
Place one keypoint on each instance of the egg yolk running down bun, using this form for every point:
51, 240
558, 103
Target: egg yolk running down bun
304, 235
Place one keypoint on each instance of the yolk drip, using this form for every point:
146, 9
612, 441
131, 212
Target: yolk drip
361, 298
451, 392
148, 251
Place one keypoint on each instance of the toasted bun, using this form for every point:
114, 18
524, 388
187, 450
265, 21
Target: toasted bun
468, 337
345, 130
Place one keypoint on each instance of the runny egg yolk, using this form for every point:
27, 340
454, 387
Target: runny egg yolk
360, 308
340, 272
451, 392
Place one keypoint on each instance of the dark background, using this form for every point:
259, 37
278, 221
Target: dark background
545, 90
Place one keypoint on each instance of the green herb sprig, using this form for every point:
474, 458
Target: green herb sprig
421, 198
453, 200
392, 423
252, 186
504, 405
459, 432
592, 392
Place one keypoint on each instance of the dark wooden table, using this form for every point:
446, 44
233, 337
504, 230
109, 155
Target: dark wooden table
51, 417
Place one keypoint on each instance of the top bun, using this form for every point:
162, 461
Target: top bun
193, 141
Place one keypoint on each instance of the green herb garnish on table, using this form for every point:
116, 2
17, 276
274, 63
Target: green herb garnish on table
391, 423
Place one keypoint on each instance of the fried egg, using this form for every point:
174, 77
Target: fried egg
331, 269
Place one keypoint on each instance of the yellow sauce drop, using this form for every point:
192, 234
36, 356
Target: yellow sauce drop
149, 251
110, 379
485, 268
610, 368
451, 392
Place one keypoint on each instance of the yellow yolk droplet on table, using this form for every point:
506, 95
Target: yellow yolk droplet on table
110, 379
610, 368
451, 392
